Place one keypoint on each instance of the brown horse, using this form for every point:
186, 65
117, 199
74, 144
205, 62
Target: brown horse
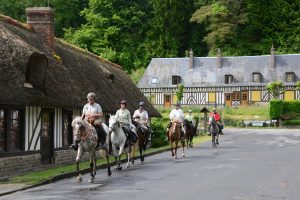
174, 137
190, 132
142, 141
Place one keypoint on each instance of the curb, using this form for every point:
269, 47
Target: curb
72, 174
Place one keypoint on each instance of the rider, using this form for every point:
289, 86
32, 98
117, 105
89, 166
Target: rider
217, 117
141, 116
92, 111
190, 118
176, 115
125, 119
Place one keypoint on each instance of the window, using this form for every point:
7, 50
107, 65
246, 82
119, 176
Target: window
290, 77
36, 71
154, 80
168, 98
11, 138
236, 96
228, 79
256, 77
46, 126
175, 80
67, 128
228, 97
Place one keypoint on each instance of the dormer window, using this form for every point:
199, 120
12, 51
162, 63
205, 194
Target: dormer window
289, 77
154, 80
256, 77
175, 80
228, 79
35, 72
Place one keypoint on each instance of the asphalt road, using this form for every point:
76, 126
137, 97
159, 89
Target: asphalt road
249, 164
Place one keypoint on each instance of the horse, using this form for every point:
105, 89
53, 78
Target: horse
119, 140
190, 132
86, 135
142, 141
214, 131
174, 137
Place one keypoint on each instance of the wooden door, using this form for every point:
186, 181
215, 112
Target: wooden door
244, 100
228, 99
47, 137
167, 100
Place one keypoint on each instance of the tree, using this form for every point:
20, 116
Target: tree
221, 19
275, 88
179, 92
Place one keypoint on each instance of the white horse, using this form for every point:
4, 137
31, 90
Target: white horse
119, 141
86, 135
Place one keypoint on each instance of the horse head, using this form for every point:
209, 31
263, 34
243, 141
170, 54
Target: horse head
113, 123
79, 127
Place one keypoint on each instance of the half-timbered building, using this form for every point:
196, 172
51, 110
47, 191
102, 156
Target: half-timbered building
43, 85
219, 81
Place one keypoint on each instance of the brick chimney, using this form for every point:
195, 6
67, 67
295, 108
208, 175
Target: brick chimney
191, 55
42, 21
219, 58
273, 63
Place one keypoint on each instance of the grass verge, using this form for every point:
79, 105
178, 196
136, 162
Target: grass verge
38, 177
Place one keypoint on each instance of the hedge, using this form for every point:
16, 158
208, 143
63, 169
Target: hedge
285, 110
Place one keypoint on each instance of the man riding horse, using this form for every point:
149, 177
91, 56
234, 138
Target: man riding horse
217, 118
176, 116
92, 111
141, 117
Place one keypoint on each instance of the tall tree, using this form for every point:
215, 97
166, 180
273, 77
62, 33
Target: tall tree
115, 30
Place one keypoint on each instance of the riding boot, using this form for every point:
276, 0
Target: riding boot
74, 146
109, 144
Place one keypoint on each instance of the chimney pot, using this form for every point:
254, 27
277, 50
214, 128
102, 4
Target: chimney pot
42, 21
219, 58
191, 56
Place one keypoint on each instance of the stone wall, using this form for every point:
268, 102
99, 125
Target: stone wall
16, 165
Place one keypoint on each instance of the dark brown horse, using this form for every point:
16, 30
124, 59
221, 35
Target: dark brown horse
174, 137
190, 132
142, 141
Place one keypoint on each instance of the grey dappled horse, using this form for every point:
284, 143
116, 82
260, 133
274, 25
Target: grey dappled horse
214, 131
86, 135
119, 141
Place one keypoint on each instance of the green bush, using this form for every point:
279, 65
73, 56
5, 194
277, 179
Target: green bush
276, 107
291, 122
159, 126
292, 106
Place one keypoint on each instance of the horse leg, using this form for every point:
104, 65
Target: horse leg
183, 145
141, 148
128, 158
217, 140
175, 149
172, 150
78, 175
91, 180
132, 155
107, 162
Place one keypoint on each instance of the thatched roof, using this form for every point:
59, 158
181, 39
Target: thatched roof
71, 73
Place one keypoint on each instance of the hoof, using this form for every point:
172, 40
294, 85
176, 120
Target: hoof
79, 179
109, 173
175, 157
118, 168
183, 155
91, 180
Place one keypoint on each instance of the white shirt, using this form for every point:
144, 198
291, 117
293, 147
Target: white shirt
91, 109
177, 115
143, 116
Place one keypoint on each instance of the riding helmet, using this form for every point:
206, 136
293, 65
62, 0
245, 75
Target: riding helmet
142, 103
